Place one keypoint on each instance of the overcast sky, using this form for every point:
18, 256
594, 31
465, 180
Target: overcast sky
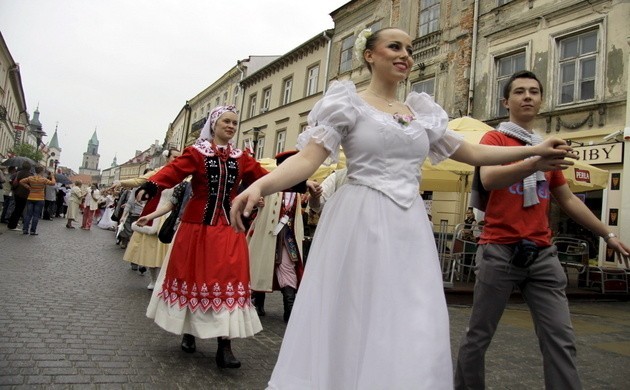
126, 67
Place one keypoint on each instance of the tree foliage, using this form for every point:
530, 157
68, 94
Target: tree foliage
27, 150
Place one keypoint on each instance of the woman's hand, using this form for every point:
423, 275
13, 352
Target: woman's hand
142, 221
242, 206
314, 188
554, 147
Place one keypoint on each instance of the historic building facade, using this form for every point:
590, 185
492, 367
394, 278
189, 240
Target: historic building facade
13, 115
278, 97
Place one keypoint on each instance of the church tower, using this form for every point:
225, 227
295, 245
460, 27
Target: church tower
91, 157
54, 152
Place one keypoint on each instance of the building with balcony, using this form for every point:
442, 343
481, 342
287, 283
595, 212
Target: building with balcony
14, 119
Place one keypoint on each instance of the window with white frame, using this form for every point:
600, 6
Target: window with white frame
577, 67
303, 127
225, 97
266, 100
313, 78
502, 2
252, 106
345, 63
281, 138
236, 90
260, 148
427, 86
429, 17
506, 66
286, 91
217, 101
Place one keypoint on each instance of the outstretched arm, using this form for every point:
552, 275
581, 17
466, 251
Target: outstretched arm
580, 213
502, 176
156, 214
292, 171
479, 154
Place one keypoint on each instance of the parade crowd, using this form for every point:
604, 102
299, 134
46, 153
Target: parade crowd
216, 232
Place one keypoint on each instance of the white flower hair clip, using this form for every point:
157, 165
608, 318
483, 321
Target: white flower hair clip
360, 42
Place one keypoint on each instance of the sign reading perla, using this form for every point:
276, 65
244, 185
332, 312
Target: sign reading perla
601, 154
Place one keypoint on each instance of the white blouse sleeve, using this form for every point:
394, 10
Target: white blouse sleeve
331, 119
442, 141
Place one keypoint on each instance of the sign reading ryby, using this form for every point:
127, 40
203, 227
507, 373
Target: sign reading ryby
601, 154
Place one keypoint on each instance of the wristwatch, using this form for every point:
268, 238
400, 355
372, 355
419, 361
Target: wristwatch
609, 236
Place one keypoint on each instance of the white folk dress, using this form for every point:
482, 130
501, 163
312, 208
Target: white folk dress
371, 311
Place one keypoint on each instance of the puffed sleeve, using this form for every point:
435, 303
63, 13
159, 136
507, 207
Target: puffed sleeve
177, 170
442, 141
331, 118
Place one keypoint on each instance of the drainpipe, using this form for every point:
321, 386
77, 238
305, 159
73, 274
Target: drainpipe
242, 92
329, 39
186, 131
473, 60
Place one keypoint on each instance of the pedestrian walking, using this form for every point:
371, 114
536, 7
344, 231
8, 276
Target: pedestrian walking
144, 248
50, 200
371, 312
515, 248
20, 196
60, 201
275, 245
7, 195
36, 186
90, 206
76, 196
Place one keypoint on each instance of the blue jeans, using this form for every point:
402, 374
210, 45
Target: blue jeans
33, 213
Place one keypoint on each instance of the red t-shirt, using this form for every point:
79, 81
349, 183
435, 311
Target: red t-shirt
506, 220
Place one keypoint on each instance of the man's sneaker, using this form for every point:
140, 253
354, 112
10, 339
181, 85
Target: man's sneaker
151, 286
16, 229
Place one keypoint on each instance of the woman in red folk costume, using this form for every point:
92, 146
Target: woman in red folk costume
203, 289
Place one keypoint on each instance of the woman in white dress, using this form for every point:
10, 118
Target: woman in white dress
371, 312
106, 221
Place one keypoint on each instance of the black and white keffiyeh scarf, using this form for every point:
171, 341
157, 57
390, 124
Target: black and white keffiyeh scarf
530, 192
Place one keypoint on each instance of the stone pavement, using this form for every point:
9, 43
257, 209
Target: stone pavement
73, 316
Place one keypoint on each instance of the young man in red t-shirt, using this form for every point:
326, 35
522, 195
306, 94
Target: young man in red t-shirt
515, 247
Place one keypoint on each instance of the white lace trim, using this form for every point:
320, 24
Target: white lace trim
204, 147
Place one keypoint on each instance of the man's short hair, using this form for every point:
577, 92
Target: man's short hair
521, 74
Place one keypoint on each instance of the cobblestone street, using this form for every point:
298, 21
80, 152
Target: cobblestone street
73, 316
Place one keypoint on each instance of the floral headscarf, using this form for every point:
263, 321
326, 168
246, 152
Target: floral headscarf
208, 128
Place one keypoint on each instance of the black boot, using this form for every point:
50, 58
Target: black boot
259, 302
288, 297
225, 358
188, 343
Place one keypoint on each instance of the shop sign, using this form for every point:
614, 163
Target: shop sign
582, 175
601, 154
